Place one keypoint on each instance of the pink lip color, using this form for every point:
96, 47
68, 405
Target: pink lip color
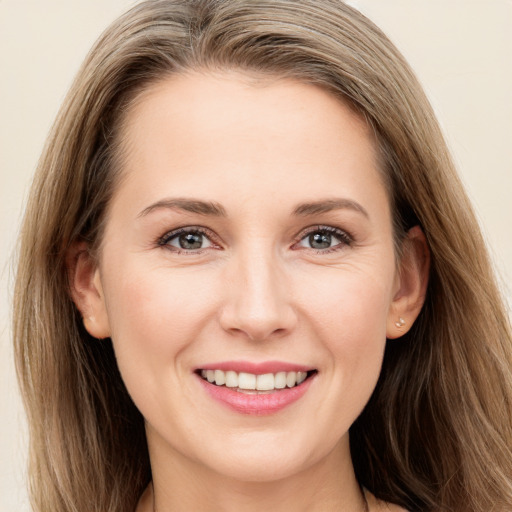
258, 405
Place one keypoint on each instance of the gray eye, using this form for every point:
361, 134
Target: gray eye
320, 240
190, 241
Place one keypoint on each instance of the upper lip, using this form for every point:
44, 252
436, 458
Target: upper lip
257, 368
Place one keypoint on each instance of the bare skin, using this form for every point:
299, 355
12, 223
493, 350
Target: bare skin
278, 186
147, 504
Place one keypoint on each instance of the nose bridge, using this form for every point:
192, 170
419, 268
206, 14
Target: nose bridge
259, 302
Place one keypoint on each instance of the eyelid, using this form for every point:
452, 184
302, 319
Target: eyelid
163, 241
346, 238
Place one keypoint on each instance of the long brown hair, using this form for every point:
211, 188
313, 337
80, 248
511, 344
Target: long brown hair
436, 434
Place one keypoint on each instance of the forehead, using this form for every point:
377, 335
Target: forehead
247, 132
198, 100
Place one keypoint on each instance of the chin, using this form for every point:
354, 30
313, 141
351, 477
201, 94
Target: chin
261, 469
262, 458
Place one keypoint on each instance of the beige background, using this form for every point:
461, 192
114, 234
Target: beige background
461, 50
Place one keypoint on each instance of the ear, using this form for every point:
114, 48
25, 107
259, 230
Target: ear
411, 284
86, 290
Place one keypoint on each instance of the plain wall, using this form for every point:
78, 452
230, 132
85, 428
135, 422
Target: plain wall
460, 49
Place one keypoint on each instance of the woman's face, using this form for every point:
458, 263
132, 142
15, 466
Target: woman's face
250, 236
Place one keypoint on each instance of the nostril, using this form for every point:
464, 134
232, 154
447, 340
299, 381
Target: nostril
258, 327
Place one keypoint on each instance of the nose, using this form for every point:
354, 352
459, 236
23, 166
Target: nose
258, 302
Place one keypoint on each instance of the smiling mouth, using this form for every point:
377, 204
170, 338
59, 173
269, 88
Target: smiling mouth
250, 383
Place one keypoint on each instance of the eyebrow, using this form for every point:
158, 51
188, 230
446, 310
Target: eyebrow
188, 205
215, 209
327, 205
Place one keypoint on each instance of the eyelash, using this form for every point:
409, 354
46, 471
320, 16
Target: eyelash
165, 239
345, 239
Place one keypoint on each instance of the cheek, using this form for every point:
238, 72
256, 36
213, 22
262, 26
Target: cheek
358, 339
350, 301
155, 314
348, 313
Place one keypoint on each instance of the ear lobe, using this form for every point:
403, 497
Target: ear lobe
86, 290
412, 282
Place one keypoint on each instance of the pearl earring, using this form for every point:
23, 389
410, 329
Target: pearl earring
400, 323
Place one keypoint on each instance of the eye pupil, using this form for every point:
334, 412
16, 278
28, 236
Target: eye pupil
191, 240
320, 240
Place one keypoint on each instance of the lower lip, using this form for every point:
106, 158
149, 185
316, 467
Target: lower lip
257, 405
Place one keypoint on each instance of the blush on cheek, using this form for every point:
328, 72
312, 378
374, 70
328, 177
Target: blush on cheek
356, 311
161, 312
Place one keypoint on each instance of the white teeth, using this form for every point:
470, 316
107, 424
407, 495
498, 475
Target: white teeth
246, 380
231, 379
220, 377
250, 381
291, 379
280, 380
265, 382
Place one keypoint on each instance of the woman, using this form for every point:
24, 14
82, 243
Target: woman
245, 242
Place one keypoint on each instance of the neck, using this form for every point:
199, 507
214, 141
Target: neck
181, 484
